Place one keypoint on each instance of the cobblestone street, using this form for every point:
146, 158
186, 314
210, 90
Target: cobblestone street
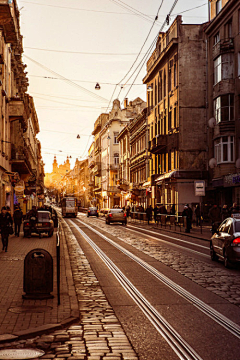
218, 280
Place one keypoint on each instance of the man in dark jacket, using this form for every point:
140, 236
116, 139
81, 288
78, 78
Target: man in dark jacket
5, 223
17, 217
187, 212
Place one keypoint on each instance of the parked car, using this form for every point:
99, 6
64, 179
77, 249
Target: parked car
116, 215
92, 211
43, 224
225, 243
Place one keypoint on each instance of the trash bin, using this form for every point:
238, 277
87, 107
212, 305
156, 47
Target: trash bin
38, 275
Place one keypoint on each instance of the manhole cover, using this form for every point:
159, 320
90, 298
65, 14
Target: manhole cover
29, 309
20, 354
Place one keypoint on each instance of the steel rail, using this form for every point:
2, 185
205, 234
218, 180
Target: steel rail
183, 350
172, 244
206, 309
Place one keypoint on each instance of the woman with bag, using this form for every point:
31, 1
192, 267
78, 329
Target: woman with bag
5, 227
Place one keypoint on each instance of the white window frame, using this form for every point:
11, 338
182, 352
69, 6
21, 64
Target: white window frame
217, 69
224, 146
115, 135
218, 6
116, 159
218, 108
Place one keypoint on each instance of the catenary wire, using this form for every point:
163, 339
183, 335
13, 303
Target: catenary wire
137, 55
143, 62
70, 82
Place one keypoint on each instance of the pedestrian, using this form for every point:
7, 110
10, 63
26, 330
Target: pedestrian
17, 218
198, 215
225, 212
172, 210
155, 212
163, 210
187, 212
149, 213
5, 224
128, 210
234, 209
215, 217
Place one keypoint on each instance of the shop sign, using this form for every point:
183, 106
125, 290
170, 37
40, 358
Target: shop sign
19, 187
199, 187
231, 180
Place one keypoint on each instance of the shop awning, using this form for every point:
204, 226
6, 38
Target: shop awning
165, 176
146, 184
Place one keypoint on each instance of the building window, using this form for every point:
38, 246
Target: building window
116, 159
224, 108
216, 38
239, 21
175, 117
217, 70
228, 30
170, 80
239, 64
224, 149
160, 87
115, 140
164, 84
175, 75
218, 6
223, 67
169, 120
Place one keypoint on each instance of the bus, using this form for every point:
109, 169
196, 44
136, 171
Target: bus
69, 207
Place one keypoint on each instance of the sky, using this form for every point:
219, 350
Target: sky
69, 46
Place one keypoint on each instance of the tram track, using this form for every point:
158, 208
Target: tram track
182, 349
148, 233
200, 305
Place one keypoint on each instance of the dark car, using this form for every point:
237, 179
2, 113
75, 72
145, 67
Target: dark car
225, 243
42, 224
92, 211
116, 215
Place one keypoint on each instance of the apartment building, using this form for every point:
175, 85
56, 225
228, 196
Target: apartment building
176, 102
21, 165
223, 39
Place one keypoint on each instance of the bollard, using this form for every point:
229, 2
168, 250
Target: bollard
58, 266
38, 275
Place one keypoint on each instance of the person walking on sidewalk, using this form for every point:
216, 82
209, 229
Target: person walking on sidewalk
187, 212
215, 217
5, 223
149, 213
17, 217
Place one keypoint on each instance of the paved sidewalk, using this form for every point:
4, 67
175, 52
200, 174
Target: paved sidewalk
19, 317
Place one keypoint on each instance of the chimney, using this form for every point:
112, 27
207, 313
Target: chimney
125, 102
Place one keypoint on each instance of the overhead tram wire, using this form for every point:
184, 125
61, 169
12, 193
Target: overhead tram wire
70, 82
138, 53
165, 22
133, 10
84, 81
96, 11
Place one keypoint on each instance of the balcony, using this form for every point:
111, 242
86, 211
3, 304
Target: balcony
113, 189
9, 20
17, 111
157, 144
113, 166
91, 164
20, 161
97, 168
223, 46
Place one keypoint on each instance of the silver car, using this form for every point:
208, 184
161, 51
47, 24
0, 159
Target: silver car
225, 243
116, 215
